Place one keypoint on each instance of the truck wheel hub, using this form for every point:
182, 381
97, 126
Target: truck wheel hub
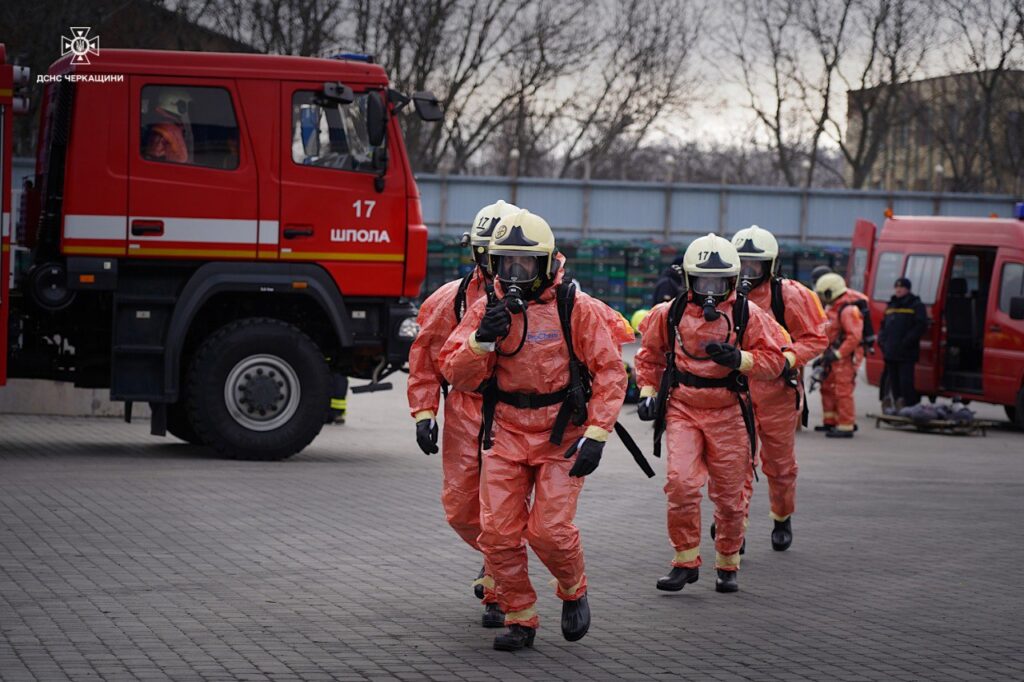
262, 392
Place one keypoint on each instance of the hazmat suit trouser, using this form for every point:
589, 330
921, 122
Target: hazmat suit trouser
706, 445
837, 404
515, 466
460, 462
778, 418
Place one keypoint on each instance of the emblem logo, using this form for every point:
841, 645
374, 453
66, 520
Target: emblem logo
80, 45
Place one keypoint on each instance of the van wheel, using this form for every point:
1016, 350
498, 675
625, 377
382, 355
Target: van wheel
258, 389
178, 424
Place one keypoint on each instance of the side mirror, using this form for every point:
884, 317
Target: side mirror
427, 106
1017, 308
338, 93
376, 118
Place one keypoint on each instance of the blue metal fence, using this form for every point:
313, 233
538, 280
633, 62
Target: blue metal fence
578, 209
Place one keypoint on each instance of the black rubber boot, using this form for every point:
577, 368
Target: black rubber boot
492, 617
825, 427
726, 581
838, 434
575, 618
782, 535
478, 590
515, 638
678, 578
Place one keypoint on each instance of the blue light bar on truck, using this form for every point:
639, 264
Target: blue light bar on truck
353, 57
1018, 211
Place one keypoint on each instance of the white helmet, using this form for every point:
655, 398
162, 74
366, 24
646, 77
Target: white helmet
479, 236
711, 264
522, 251
756, 246
830, 286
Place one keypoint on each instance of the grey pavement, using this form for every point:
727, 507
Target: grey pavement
127, 557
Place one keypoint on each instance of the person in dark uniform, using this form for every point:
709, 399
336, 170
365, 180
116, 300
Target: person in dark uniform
670, 284
903, 326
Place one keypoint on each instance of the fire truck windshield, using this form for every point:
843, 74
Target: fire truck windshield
330, 134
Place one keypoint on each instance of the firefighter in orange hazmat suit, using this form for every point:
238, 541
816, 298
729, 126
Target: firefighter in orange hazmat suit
698, 398
460, 462
843, 355
778, 401
539, 438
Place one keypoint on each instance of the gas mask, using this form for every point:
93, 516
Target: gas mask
708, 292
520, 277
753, 272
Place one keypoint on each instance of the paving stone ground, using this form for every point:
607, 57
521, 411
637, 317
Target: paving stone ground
126, 557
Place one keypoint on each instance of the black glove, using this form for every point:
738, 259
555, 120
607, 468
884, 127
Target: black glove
588, 458
830, 354
495, 324
647, 408
426, 436
725, 354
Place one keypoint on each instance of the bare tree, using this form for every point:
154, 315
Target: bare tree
894, 39
987, 45
484, 59
826, 24
763, 46
642, 69
299, 27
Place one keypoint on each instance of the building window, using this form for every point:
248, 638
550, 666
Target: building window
188, 125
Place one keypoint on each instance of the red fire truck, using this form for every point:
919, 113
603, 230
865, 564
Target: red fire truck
218, 235
969, 273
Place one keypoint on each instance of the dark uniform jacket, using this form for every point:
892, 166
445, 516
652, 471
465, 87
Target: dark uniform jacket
669, 285
904, 324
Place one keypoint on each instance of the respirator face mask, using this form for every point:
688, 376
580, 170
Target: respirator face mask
708, 292
754, 271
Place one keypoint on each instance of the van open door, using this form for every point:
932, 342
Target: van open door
862, 251
6, 146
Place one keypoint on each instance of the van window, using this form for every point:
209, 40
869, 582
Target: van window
924, 273
967, 267
1011, 284
860, 265
888, 270
331, 135
188, 125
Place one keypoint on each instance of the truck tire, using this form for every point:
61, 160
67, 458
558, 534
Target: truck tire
259, 389
178, 424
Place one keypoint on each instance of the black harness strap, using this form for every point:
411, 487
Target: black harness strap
735, 381
573, 398
460, 310
460, 297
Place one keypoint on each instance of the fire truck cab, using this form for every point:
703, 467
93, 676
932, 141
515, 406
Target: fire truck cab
218, 235
969, 273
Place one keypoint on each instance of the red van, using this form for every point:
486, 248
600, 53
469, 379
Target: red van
969, 273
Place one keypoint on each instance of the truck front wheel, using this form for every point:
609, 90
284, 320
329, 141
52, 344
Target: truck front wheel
258, 389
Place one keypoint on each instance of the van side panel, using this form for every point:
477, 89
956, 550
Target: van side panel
1003, 363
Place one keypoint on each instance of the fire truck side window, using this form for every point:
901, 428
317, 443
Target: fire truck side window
889, 268
1011, 284
331, 135
188, 125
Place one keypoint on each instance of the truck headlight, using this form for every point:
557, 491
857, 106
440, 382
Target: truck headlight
409, 329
